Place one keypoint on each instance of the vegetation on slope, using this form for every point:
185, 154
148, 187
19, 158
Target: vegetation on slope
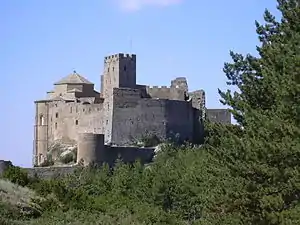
244, 174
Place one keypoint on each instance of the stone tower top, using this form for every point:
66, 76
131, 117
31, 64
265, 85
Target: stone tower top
119, 71
181, 83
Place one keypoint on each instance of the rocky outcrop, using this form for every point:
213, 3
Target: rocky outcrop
61, 153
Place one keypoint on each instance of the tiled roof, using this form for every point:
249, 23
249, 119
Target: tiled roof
73, 78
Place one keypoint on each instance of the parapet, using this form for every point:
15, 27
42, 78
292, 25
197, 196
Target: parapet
162, 92
120, 56
157, 87
126, 92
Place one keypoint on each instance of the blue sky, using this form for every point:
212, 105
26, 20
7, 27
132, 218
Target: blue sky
42, 41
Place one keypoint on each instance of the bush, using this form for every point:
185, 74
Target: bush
16, 175
68, 158
150, 140
46, 163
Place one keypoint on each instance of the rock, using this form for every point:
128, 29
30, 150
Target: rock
63, 154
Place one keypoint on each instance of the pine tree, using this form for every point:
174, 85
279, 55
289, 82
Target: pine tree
267, 108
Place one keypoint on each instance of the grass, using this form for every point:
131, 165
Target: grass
17, 202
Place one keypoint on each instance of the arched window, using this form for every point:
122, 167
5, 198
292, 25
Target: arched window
40, 158
42, 120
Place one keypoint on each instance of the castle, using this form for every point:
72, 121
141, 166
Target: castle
123, 111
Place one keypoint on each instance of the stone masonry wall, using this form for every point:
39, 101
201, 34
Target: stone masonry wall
110, 156
127, 154
67, 119
41, 131
218, 115
180, 119
134, 117
164, 92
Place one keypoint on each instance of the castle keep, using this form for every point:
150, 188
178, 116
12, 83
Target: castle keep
123, 111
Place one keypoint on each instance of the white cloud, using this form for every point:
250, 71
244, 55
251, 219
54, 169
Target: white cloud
134, 5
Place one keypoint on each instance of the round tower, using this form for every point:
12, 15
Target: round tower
89, 148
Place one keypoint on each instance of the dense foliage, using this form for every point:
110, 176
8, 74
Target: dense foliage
247, 173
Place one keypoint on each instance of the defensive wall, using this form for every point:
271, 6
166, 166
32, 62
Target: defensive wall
164, 92
62, 120
91, 149
134, 117
219, 116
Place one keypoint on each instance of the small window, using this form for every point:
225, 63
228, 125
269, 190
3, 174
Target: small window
71, 109
55, 105
42, 120
125, 68
107, 69
83, 109
106, 122
55, 125
113, 68
56, 115
76, 122
40, 157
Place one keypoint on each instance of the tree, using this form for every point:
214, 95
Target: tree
267, 110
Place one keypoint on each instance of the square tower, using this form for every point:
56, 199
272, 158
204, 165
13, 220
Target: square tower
119, 71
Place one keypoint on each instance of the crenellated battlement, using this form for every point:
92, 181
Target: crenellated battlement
126, 92
164, 92
120, 56
157, 87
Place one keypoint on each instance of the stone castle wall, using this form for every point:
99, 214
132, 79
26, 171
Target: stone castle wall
58, 120
219, 115
135, 117
66, 119
91, 149
165, 92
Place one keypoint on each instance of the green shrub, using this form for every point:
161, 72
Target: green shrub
68, 158
46, 163
150, 140
16, 175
